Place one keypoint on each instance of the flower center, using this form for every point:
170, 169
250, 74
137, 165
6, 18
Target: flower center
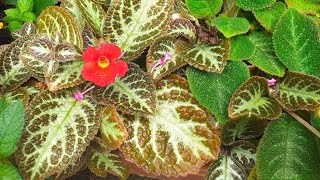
103, 62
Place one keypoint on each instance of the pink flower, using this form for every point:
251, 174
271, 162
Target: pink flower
271, 82
162, 61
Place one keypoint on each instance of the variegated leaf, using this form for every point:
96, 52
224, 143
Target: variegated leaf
73, 8
299, 91
34, 87
13, 72
135, 24
58, 129
182, 8
182, 27
94, 15
67, 75
27, 29
204, 56
245, 153
178, 139
226, 168
3, 47
112, 128
134, 93
20, 93
89, 38
102, 163
251, 100
56, 19
157, 51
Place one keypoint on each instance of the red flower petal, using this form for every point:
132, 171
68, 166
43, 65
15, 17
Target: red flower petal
121, 67
89, 71
104, 76
111, 51
91, 54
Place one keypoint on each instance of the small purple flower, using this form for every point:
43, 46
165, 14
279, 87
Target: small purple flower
162, 61
271, 82
80, 95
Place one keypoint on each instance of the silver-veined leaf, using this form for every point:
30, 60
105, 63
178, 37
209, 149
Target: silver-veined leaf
251, 100
73, 8
27, 29
89, 38
204, 56
157, 51
112, 128
183, 10
18, 94
134, 24
245, 153
102, 163
299, 91
134, 93
58, 128
57, 19
178, 139
182, 27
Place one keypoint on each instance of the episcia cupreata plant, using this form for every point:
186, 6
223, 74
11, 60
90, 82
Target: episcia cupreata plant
164, 85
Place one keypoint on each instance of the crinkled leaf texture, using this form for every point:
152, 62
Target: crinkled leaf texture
178, 139
254, 5
182, 27
214, 90
251, 100
204, 8
74, 9
287, 151
134, 24
306, 6
134, 93
58, 128
230, 27
27, 29
11, 123
299, 91
242, 48
297, 44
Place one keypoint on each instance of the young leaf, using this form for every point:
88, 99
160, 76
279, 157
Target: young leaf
242, 48
264, 57
135, 27
231, 26
74, 9
11, 123
254, 5
270, 16
13, 13
28, 17
226, 168
157, 51
56, 19
182, 27
14, 25
251, 100
58, 130
94, 15
204, 8
25, 5
205, 56
7, 171
245, 128
178, 139
306, 6
297, 43
40, 5
112, 128
27, 29
245, 153
134, 93
214, 90
287, 151
299, 92
13, 72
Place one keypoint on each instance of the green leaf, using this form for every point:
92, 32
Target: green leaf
11, 2
178, 139
211, 58
74, 9
13, 13
11, 123
297, 43
133, 28
306, 6
231, 26
299, 92
242, 48
8, 172
182, 27
270, 16
112, 128
251, 100
25, 5
214, 90
204, 8
40, 5
134, 93
245, 128
102, 163
28, 17
157, 51
183, 10
56, 19
58, 130
287, 151
253, 174
27, 29
264, 57
229, 8
94, 16
14, 25
226, 168
254, 5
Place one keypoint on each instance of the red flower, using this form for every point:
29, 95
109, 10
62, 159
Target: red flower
102, 65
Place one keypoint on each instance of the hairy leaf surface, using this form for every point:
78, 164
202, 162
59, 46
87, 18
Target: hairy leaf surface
254, 5
231, 26
242, 48
306, 6
204, 8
